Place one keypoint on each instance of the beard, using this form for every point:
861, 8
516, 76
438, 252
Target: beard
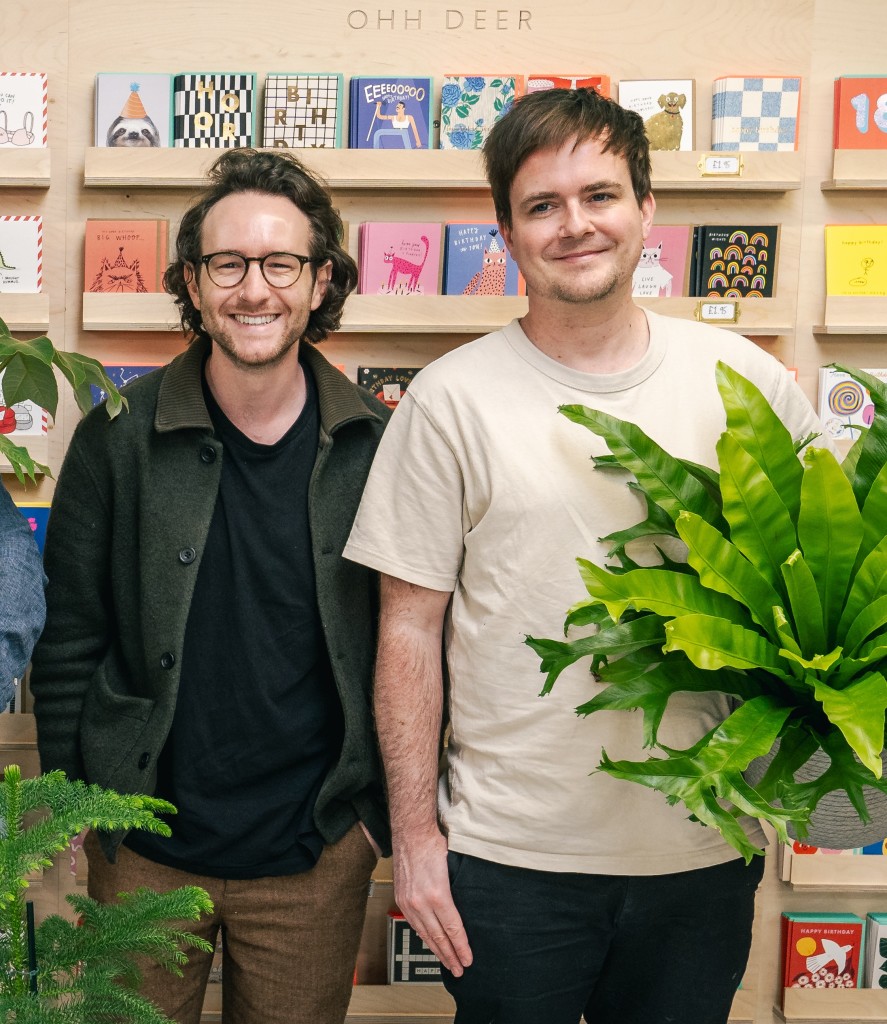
245, 356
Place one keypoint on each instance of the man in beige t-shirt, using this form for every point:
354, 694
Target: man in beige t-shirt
547, 891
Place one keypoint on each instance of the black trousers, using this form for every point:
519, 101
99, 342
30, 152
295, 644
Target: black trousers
549, 947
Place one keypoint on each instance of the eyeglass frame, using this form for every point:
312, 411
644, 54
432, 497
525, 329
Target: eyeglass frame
303, 260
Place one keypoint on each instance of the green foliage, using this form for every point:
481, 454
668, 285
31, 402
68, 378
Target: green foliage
28, 373
781, 603
87, 971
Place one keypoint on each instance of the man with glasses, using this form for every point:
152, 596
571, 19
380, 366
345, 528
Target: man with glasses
206, 641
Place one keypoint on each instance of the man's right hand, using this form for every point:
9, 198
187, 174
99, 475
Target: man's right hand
422, 892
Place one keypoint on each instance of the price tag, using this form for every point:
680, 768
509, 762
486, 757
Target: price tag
721, 165
717, 312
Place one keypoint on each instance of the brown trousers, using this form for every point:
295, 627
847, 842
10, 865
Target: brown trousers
290, 943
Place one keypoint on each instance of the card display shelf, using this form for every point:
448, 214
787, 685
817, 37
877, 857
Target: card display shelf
342, 168
854, 314
426, 1004
858, 170
676, 171
834, 1006
821, 872
24, 168
372, 1004
416, 314
25, 311
38, 448
424, 169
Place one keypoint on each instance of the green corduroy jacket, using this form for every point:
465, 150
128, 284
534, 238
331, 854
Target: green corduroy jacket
128, 526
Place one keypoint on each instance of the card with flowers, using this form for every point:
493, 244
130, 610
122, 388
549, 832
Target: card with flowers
471, 104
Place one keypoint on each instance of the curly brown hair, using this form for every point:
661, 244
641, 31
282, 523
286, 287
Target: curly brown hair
275, 174
551, 118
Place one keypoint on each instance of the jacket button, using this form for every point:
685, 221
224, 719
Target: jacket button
207, 454
144, 760
187, 556
167, 659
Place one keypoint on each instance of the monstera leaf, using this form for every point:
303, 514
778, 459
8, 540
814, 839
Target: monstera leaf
28, 374
781, 603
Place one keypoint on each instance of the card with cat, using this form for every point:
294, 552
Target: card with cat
125, 256
399, 258
664, 266
476, 262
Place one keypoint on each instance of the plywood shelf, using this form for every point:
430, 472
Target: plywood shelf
148, 311
761, 172
834, 873
858, 170
24, 168
343, 168
372, 1004
425, 169
834, 1006
854, 314
38, 449
24, 311
415, 314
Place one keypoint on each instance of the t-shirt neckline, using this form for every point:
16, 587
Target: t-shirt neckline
599, 383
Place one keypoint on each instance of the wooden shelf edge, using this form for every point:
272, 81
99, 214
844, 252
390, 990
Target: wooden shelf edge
38, 448
743, 1009
410, 314
833, 1006
427, 169
343, 168
863, 170
25, 312
849, 329
853, 185
762, 172
24, 168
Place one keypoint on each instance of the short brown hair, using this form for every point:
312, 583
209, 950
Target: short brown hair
273, 174
548, 120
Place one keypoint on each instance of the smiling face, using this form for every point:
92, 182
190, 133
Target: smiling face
254, 324
577, 230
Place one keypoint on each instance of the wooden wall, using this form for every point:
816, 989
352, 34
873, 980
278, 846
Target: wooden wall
73, 39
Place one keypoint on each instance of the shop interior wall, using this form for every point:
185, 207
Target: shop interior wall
73, 39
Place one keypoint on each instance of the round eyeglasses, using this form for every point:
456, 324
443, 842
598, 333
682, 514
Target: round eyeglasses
280, 269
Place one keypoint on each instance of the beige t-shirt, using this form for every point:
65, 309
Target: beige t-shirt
481, 488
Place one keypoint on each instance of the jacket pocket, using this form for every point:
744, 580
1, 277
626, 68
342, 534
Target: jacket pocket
112, 724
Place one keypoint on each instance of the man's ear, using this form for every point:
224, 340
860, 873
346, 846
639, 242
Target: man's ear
648, 211
506, 235
190, 275
322, 278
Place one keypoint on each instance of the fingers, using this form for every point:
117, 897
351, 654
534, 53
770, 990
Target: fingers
440, 927
422, 892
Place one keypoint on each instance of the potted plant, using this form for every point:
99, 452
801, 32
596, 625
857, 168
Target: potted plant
781, 603
62, 972
28, 373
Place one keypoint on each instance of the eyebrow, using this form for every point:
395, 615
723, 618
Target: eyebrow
606, 185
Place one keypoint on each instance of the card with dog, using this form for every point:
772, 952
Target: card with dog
133, 110
667, 107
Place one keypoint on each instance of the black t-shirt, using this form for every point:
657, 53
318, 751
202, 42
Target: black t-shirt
257, 722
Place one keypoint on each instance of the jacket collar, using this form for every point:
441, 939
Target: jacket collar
180, 403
